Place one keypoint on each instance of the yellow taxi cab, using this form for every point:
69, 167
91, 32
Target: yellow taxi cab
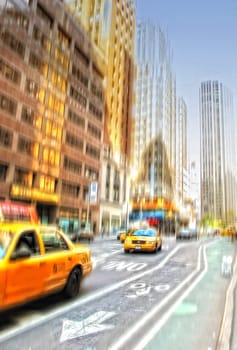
143, 239
37, 260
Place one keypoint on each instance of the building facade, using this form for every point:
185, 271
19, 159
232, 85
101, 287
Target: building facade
181, 152
52, 105
154, 153
218, 188
111, 27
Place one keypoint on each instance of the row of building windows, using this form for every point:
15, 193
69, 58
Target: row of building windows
13, 43
76, 119
94, 131
41, 38
80, 76
72, 165
74, 141
10, 73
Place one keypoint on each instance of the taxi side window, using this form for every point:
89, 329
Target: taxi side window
53, 242
29, 240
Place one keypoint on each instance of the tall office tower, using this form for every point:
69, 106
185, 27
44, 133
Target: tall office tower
111, 26
181, 151
218, 166
155, 115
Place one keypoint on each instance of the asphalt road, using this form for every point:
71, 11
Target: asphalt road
170, 300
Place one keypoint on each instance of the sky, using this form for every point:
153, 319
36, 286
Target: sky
203, 38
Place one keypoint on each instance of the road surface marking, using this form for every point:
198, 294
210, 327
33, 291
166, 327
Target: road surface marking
92, 324
139, 325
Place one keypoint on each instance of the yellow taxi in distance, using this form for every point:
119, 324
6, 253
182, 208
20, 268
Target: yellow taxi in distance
143, 239
37, 260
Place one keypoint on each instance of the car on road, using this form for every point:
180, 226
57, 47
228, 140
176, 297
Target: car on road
187, 233
85, 235
143, 239
37, 260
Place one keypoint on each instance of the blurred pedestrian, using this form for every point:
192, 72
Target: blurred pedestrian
102, 231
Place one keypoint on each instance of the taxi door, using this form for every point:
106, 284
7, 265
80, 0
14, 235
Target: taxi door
59, 260
25, 275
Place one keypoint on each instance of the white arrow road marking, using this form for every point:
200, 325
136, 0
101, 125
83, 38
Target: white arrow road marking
92, 324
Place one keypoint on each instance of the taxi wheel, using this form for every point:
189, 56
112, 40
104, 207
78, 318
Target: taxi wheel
126, 250
73, 283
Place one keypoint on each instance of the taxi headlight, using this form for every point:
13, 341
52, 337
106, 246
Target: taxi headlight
150, 242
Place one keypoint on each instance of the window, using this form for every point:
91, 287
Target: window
9, 72
38, 64
53, 241
77, 73
28, 240
56, 105
6, 137
51, 156
28, 147
76, 119
74, 141
28, 116
92, 151
78, 97
91, 173
3, 171
94, 131
72, 165
13, 43
58, 80
53, 129
47, 183
23, 177
8, 105
95, 111
70, 189
96, 91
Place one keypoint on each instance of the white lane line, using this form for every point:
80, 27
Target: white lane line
101, 258
83, 300
131, 331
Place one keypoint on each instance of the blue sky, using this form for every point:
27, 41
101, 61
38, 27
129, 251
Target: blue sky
203, 36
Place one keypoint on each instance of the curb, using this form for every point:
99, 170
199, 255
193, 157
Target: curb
224, 340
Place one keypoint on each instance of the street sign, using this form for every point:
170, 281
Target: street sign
93, 192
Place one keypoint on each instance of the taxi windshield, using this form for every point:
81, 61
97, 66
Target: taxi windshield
5, 240
148, 233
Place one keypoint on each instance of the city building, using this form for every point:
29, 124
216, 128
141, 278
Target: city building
181, 152
52, 105
154, 152
111, 26
218, 164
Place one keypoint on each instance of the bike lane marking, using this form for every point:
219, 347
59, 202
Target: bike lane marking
176, 307
140, 324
